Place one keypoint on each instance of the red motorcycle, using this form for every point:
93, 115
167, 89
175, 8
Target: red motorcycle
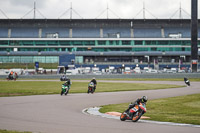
12, 77
90, 88
135, 113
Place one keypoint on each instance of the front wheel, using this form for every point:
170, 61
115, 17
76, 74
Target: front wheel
123, 117
92, 91
61, 93
136, 117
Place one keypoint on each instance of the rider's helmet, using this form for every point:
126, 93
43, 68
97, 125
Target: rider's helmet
185, 79
144, 99
66, 82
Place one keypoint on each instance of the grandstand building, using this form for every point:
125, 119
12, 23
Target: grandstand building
99, 41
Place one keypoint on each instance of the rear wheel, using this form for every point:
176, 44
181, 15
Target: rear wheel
123, 117
137, 117
66, 92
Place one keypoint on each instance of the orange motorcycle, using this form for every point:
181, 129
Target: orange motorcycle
90, 88
135, 113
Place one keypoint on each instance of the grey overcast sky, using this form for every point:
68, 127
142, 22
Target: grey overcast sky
162, 9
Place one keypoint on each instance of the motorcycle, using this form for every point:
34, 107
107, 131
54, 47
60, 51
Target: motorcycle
64, 90
11, 77
135, 113
187, 82
63, 78
90, 88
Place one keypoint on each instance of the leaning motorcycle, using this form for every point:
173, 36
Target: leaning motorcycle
90, 88
187, 82
64, 90
135, 113
11, 77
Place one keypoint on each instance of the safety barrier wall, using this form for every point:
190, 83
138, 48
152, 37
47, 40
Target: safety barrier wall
112, 76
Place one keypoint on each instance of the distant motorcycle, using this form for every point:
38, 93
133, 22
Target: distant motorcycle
90, 88
64, 90
11, 77
187, 82
135, 113
63, 78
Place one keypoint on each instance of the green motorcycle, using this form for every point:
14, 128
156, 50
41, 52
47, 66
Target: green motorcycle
64, 90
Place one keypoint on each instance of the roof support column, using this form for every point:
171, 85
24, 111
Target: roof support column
194, 33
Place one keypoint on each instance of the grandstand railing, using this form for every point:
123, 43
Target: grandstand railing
96, 32
93, 39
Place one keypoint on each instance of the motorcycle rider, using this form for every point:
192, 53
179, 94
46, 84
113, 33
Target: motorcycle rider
64, 85
16, 75
187, 81
10, 76
143, 99
90, 85
68, 82
95, 82
63, 78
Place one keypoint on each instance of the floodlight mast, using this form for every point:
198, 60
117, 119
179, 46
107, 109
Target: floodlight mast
143, 10
71, 11
180, 14
34, 12
194, 35
34, 15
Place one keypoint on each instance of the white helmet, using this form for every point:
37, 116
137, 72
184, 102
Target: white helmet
144, 98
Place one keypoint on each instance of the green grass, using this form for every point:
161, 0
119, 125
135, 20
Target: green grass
182, 109
6, 131
20, 88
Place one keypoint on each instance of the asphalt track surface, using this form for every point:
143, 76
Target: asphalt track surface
63, 114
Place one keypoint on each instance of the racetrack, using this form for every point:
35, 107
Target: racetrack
63, 114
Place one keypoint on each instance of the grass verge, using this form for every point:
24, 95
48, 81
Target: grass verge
182, 109
6, 131
19, 88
